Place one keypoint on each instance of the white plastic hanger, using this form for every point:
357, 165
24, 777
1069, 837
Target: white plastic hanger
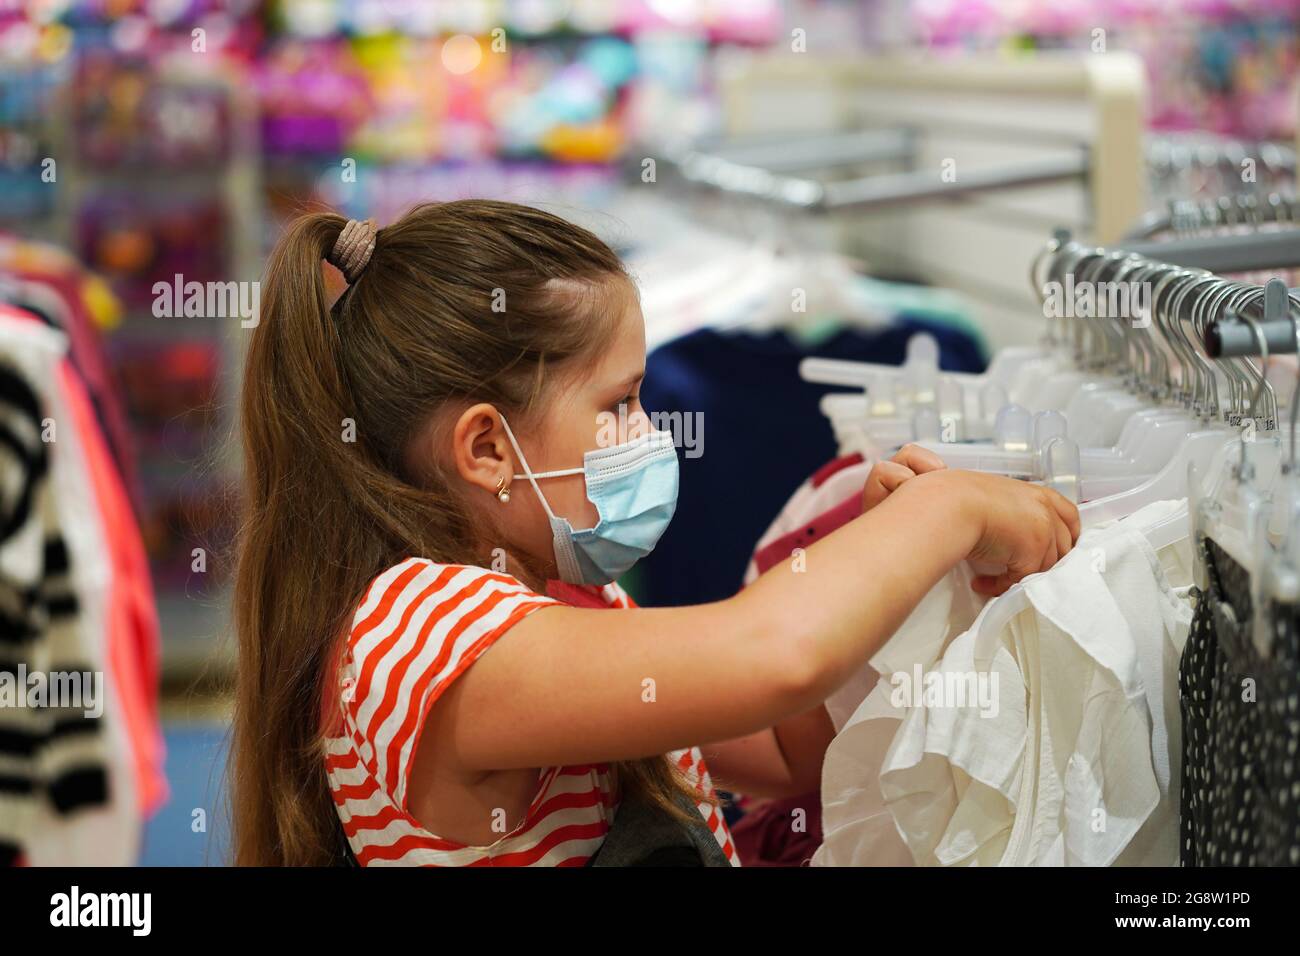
881, 415
1143, 440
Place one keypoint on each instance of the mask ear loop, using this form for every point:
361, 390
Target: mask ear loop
528, 472
561, 530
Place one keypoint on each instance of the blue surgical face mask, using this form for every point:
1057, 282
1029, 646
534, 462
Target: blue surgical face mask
634, 489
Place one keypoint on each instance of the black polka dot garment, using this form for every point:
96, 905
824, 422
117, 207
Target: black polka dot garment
1240, 792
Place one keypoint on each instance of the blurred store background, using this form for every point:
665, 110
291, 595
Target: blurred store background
145, 139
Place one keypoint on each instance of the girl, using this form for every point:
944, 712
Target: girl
435, 514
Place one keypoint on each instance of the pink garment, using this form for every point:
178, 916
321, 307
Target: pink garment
806, 534
824, 473
133, 631
828, 487
780, 832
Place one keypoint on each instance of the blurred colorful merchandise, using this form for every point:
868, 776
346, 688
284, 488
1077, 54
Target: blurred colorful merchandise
720, 21
388, 191
124, 116
173, 396
405, 82
136, 242
105, 307
392, 98
1239, 78
591, 143
390, 81
312, 97
172, 391
35, 68
1220, 66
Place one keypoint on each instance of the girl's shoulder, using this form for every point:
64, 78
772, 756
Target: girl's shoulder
451, 599
388, 588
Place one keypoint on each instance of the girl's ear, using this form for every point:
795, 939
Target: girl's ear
480, 450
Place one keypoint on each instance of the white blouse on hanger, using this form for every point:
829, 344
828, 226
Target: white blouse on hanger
1066, 748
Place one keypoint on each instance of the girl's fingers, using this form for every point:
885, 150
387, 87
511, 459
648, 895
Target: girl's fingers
1069, 513
1063, 540
1050, 555
884, 478
919, 459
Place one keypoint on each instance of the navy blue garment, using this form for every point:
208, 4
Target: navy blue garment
763, 435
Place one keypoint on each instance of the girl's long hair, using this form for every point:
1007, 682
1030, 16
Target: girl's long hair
332, 399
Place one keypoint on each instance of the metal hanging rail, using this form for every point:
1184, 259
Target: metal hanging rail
878, 191
1243, 209
794, 154
771, 180
1246, 252
1230, 336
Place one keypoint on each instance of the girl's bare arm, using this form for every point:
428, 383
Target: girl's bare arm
569, 685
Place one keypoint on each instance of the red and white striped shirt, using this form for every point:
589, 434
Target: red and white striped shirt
419, 627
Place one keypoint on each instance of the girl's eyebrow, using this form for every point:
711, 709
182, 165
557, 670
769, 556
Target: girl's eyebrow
629, 382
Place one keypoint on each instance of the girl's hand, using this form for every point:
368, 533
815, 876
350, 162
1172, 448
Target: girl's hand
886, 476
1025, 528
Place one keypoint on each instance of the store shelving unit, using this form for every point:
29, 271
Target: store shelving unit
194, 608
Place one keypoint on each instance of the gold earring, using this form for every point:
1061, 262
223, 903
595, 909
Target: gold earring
503, 493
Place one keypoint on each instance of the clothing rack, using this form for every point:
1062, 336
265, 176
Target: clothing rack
77, 585
766, 168
1231, 336
1227, 335
1179, 457
1175, 152
1194, 215
1182, 165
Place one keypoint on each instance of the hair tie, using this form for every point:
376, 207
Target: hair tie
353, 247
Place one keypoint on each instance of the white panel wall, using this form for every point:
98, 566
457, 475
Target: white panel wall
981, 113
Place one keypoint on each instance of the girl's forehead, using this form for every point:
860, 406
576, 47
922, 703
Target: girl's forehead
624, 357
